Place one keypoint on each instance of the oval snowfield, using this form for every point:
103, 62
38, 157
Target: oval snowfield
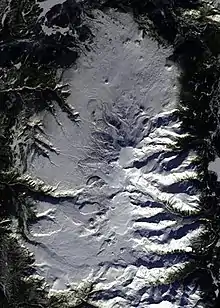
121, 214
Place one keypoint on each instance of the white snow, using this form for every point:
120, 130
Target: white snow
113, 229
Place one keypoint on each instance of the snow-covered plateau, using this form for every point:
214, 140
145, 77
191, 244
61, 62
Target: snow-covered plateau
121, 220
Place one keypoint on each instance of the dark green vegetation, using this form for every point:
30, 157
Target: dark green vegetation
29, 60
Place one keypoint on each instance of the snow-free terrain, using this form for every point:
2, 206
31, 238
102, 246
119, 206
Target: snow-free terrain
122, 218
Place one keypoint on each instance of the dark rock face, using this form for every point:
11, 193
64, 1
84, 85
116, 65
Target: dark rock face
65, 14
106, 179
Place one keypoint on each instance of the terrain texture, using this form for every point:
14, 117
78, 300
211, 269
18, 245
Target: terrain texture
110, 145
